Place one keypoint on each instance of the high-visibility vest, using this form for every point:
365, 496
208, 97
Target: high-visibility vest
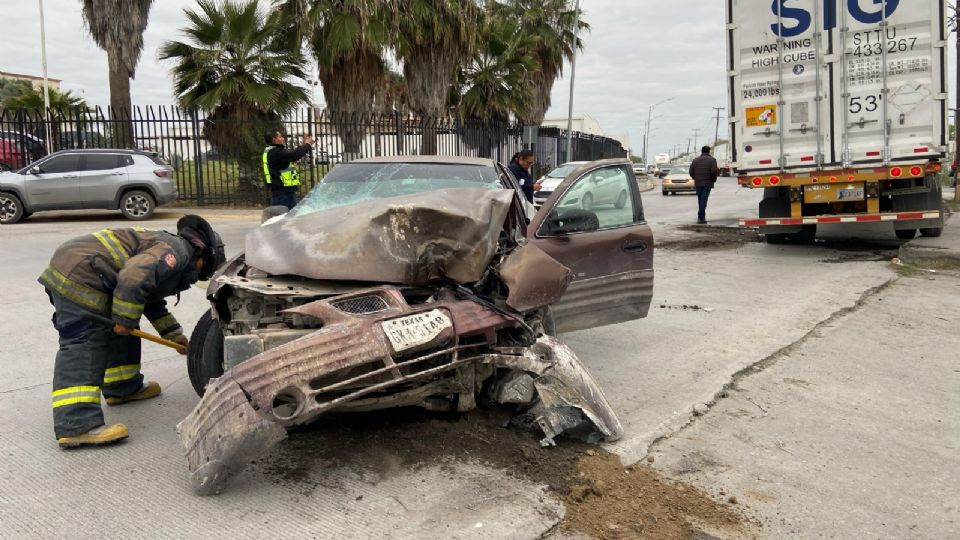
290, 177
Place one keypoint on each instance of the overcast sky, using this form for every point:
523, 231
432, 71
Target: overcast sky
638, 53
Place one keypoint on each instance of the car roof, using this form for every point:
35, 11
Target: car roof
102, 151
445, 160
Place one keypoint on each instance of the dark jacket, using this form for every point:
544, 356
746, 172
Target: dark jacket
123, 274
279, 158
704, 170
524, 179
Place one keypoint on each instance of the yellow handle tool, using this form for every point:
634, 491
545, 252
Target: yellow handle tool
143, 335
157, 339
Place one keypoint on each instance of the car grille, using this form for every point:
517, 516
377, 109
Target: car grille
361, 305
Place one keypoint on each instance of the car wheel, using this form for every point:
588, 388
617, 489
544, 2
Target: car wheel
906, 234
587, 201
137, 205
932, 232
205, 353
664, 192
621, 200
11, 209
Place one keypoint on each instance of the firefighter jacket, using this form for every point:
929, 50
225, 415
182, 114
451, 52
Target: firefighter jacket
123, 274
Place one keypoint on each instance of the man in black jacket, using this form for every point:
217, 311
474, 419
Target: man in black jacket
283, 179
704, 171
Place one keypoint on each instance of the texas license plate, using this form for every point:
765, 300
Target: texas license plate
415, 330
855, 194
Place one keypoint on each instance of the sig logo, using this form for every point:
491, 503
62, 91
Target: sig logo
797, 20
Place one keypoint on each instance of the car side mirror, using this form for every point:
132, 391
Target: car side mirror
35, 170
571, 221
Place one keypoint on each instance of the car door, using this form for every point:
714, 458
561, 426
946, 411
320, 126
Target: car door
101, 179
54, 182
608, 248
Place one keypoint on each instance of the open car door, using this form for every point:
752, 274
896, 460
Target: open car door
593, 223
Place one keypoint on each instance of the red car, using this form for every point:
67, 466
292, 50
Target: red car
11, 155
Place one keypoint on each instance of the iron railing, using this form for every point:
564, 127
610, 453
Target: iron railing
207, 175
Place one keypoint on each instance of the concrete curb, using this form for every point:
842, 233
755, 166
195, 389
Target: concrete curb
935, 253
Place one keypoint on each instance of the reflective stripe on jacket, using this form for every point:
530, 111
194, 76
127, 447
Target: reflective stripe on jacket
123, 274
289, 177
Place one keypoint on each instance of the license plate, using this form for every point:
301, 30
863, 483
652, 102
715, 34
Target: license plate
415, 330
855, 194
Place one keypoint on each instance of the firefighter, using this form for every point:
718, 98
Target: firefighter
117, 274
278, 172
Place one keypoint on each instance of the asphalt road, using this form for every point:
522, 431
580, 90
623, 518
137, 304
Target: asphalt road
719, 308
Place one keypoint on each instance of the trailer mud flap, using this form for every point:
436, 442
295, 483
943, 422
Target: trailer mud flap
218, 449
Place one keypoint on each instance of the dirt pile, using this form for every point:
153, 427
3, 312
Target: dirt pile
709, 237
610, 501
603, 499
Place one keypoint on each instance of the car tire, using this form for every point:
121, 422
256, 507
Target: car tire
586, 202
11, 209
906, 234
205, 353
137, 205
932, 232
664, 193
621, 200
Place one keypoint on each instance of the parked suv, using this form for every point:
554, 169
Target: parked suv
131, 181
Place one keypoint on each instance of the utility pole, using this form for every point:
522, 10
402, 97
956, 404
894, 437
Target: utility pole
688, 145
956, 121
46, 82
646, 136
573, 74
696, 135
716, 130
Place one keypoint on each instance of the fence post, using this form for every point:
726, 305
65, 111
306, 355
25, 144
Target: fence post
197, 166
399, 127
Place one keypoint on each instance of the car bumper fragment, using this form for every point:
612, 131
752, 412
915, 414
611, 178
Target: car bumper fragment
350, 364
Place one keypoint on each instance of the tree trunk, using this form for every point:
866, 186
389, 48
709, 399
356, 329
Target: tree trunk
120, 107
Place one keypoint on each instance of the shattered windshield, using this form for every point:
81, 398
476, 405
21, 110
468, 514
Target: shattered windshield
351, 183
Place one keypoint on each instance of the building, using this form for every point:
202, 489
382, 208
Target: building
37, 82
584, 124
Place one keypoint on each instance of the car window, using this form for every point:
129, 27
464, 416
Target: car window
60, 164
126, 161
101, 162
350, 183
606, 193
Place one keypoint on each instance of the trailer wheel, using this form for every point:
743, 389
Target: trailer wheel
906, 234
776, 238
932, 232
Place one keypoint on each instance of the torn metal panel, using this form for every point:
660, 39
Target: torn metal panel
533, 278
409, 240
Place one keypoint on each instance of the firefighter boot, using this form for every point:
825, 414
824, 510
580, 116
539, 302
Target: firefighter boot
97, 436
149, 390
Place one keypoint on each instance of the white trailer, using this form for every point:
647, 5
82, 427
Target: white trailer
839, 111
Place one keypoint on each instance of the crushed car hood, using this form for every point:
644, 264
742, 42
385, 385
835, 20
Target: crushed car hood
408, 240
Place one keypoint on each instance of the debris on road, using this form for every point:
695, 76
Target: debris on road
707, 237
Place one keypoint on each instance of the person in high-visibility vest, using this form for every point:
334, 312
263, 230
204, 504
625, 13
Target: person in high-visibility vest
278, 173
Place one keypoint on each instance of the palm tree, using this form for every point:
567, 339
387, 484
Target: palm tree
30, 98
117, 27
435, 37
550, 24
237, 66
490, 85
348, 38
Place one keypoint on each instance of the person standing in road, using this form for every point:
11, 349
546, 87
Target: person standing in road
118, 275
520, 167
704, 171
283, 179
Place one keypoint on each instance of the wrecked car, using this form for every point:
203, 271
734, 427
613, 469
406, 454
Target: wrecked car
416, 281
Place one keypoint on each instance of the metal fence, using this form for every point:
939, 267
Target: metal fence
207, 175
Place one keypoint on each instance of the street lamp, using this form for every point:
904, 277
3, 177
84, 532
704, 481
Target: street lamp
573, 74
649, 118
